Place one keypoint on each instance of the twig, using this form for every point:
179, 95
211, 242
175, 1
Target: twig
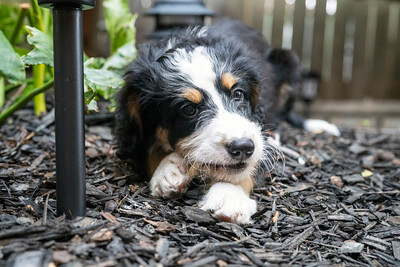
122, 200
14, 96
45, 207
321, 244
8, 190
22, 230
300, 238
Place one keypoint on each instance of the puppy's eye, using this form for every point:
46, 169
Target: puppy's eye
189, 110
238, 95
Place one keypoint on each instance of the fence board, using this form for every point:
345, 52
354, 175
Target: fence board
218, 6
268, 17
387, 79
395, 87
334, 89
378, 78
278, 20
235, 9
258, 15
144, 24
247, 10
370, 40
359, 82
298, 27
318, 35
375, 64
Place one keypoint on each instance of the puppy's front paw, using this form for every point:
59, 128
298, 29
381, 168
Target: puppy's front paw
229, 203
170, 178
311, 125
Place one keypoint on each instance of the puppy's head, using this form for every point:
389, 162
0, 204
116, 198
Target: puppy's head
197, 98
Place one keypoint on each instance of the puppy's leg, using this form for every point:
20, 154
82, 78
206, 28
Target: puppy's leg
247, 185
231, 202
311, 125
170, 178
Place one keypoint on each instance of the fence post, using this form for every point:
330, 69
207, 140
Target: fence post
69, 104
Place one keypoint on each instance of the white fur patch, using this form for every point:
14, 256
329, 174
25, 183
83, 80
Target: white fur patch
311, 125
170, 177
208, 145
229, 203
198, 66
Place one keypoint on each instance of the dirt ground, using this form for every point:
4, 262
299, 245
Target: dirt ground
336, 202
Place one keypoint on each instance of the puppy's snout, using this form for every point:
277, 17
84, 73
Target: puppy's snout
241, 148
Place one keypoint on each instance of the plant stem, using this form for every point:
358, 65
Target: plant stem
20, 102
46, 20
11, 87
23, 10
2, 91
37, 20
38, 80
38, 70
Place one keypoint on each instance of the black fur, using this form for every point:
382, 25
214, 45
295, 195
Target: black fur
153, 84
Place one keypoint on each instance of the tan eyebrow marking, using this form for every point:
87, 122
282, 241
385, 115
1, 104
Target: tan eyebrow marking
192, 95
228, 80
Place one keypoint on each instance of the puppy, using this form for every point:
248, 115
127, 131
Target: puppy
198, 104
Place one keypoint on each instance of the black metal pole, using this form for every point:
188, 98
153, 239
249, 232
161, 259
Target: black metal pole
70, 131
69, 106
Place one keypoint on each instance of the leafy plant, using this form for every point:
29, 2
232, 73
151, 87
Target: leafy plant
42, 53
38, 18
102, 76
9, 14
120, 23
12, 66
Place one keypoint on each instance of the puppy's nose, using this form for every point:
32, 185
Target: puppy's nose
241, 148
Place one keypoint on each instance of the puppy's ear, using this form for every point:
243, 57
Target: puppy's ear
129, 121
286, 65
129, 126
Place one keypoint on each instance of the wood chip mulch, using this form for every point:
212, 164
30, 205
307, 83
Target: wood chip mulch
337, 201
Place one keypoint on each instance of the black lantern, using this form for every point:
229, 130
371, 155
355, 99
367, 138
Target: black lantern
172, 15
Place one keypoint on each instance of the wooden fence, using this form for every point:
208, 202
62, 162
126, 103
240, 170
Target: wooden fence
353, 44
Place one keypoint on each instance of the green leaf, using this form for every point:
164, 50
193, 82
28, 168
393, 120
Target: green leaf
11, 65
90, 99
104, 82
94, 63
120, 23
21, 51
92, 105
43, 51
122, 57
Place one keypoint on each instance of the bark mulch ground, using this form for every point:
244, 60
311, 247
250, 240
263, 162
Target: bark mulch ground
337, 201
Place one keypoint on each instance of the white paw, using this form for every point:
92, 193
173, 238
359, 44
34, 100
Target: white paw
311, 125
170, 178
229, 203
